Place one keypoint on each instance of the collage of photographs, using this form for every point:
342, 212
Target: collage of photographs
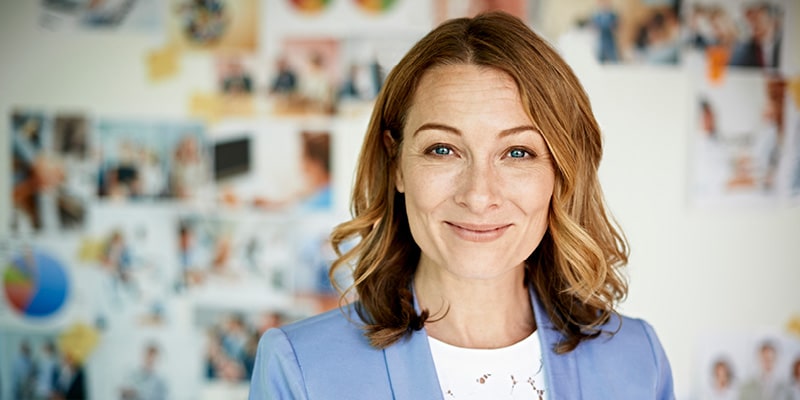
148, 254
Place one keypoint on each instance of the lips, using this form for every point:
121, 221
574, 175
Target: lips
478, 232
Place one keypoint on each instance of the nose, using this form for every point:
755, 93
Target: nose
478, 187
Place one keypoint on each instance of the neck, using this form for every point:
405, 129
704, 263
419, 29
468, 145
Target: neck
475, 313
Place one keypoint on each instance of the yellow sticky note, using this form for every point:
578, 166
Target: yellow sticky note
205, 106
794, 91
237, 105
162, 63
793, 326
78, 341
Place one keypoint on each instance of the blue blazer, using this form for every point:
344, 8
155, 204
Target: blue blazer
328, 357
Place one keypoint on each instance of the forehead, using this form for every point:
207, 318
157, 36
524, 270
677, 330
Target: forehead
466, 79
464, 92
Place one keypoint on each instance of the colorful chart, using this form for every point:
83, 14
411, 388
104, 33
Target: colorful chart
310, 6
35, 284
375, 6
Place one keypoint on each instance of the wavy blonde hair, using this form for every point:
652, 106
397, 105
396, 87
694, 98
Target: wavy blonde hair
575, 270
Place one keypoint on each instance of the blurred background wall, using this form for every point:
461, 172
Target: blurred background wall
186, 185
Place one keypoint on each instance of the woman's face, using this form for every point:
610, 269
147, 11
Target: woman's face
476, 174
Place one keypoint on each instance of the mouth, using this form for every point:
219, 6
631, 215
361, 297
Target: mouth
478, 232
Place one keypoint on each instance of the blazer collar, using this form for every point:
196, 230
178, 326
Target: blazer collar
561, 370
412, 374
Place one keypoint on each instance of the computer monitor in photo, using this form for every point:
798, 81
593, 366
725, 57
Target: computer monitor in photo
231, 158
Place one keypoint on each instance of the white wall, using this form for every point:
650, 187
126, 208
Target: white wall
690, 271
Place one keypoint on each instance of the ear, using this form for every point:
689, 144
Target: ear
391, 148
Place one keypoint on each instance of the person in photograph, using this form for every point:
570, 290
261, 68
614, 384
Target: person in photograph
117, 259
146, 383
46, 368
794, 381
188, 171
315, 167
315, 87
353, 86
606, 21
107, 13
219, 363
71, 138
69, 379
24, 373
236, 79
34, 172
190, 258
658, 39
755, 168
769, 135
762, 47
767, 383
711, 171
120, 178
722, 386
285, 81
486, 263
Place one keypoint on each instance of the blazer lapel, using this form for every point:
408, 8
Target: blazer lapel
561, 370
412, 374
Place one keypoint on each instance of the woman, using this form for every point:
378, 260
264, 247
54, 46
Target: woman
487, 266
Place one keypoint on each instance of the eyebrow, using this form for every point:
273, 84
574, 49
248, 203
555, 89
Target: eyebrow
448, 128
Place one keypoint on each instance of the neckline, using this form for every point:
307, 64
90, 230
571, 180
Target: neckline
531, 339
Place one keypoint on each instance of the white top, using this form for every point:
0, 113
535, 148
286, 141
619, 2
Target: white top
513, 372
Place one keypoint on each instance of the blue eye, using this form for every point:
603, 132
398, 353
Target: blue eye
517, 153
441, 151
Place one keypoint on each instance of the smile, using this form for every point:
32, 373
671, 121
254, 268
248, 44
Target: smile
478, 233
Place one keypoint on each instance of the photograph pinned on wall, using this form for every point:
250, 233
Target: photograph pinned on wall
739, 34
49, 171
239, 78
793, 127
128, 251
214, 25
747, 365
39, 287
635, 32
133, 362
314, 288
236, 75
230, 340
233, 258
293, 173
47, 363
147, 380
309, 7
141, 16
205, 249
305, 76
738, 141
375, 7
365, 62
140, 160
448, 9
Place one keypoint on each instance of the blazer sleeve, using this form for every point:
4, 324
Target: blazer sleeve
276, 374
665, 389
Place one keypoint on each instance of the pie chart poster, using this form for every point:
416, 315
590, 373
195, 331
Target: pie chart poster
36, 285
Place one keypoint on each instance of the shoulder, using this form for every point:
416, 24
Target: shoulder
633, 339
631, 349
327, 332
317, 355
335, 333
